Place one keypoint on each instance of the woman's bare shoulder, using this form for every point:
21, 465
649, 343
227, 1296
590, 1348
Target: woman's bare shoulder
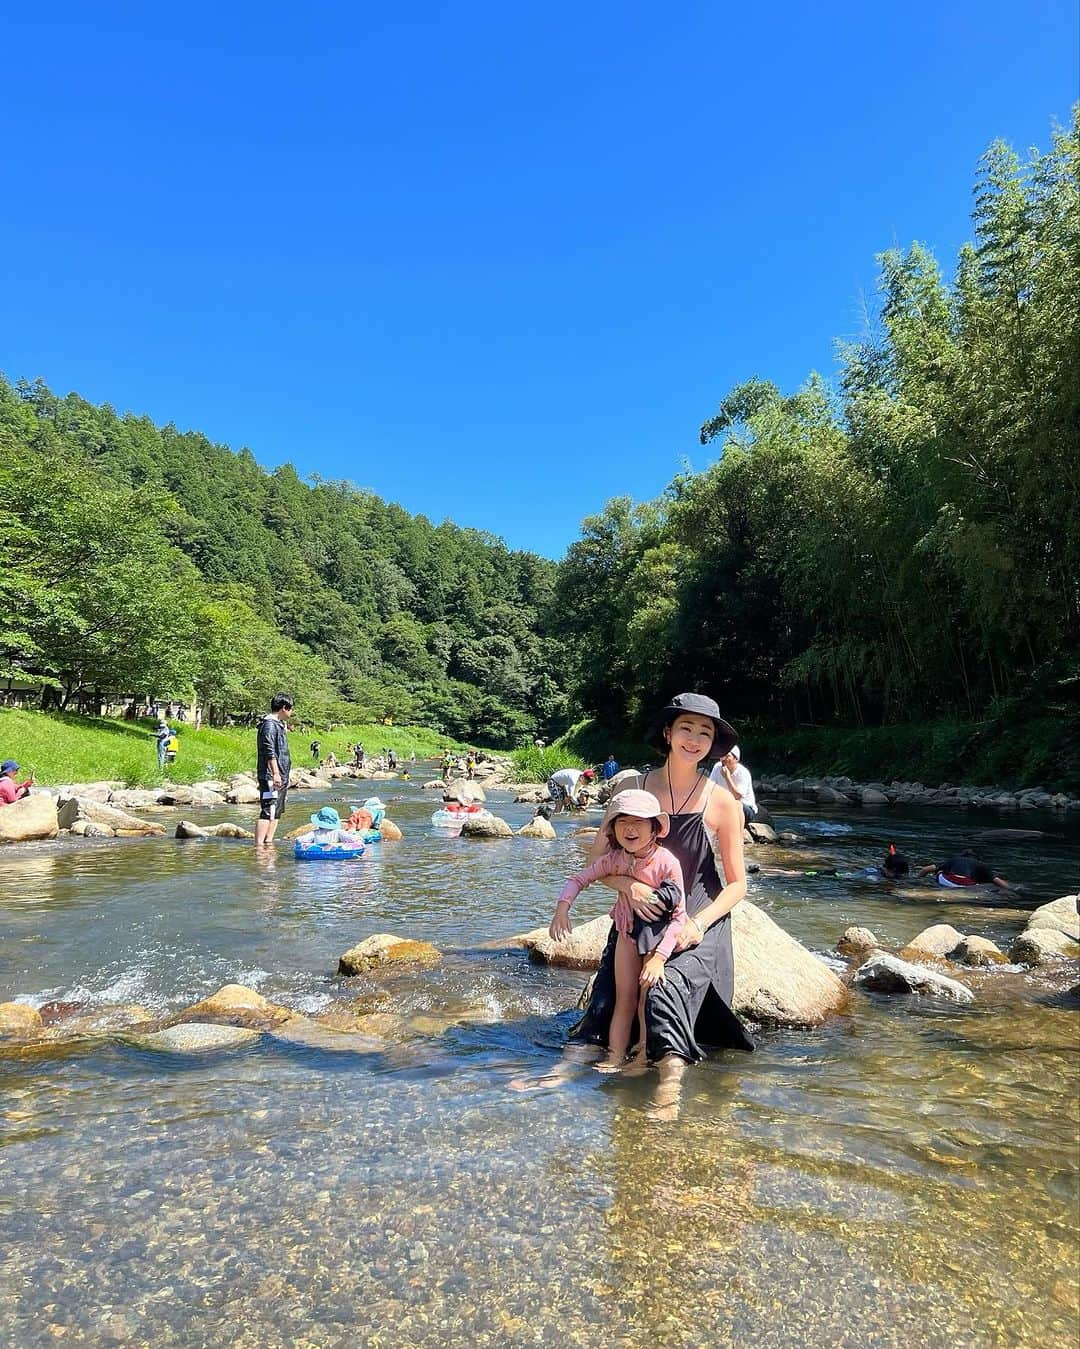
722, 808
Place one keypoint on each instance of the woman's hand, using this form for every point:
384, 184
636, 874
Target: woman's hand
643, 901
652, 971
561, 926
690, 935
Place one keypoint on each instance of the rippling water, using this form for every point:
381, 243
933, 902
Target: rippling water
907, 1174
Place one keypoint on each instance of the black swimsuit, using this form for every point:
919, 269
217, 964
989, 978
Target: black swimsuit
695, 999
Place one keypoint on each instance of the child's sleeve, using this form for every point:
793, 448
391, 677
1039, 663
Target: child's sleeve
673, 873
593, 872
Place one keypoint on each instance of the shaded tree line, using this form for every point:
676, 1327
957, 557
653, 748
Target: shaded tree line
142, 558
902, 546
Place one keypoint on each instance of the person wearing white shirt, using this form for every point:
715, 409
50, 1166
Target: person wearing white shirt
733, 774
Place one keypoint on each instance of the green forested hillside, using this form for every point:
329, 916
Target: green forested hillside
144, 559
903, 548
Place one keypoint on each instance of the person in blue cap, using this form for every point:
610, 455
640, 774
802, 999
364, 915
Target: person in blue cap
10, 790
328, 831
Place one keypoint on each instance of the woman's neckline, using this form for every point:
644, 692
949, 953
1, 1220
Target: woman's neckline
678, 814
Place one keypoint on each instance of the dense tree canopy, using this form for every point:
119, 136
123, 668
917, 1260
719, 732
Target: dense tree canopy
906, 547
143, 559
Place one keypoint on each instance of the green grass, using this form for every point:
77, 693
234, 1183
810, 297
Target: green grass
537, 765
63, 747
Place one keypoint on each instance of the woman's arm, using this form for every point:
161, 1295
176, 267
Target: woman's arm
724, 817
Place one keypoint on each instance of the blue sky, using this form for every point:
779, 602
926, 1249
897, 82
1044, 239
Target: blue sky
494, 262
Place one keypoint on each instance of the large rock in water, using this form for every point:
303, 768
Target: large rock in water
464, 791
491, 828
777, 980
384, 947
580, 951
243, 793
236, 1005
195, 1038
538, 827
889, 974
19, 1019
1042, 946
31, 818
939, 940
1060, 915
72, 808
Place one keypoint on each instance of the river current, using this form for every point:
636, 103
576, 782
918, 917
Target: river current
908, 1173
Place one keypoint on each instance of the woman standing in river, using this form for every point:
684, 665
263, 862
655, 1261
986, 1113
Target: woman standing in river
694, 1000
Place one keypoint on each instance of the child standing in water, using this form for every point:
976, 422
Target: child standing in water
634, 829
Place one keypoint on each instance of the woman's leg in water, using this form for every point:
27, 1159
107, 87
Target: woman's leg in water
627, 975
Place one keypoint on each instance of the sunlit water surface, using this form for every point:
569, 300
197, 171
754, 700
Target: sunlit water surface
907, 1174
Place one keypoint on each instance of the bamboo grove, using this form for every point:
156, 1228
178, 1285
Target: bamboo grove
902, 546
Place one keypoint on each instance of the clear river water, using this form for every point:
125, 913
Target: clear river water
908, 1173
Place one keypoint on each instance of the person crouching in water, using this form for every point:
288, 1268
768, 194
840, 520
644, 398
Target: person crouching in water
636, 825
895, 865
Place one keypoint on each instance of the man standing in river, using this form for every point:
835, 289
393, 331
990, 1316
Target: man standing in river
274, 764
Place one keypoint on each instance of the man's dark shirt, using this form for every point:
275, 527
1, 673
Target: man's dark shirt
966, 865
273, 744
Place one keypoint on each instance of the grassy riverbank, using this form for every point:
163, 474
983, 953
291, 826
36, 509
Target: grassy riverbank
61, 747
1008, 749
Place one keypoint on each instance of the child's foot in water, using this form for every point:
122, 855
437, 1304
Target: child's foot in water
610, 1065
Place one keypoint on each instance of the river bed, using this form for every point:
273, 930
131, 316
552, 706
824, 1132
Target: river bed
908, 1172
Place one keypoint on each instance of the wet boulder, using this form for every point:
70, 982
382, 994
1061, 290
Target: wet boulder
185, 829
137, 797
829, 796
243, 793
235, 1005
91, 829
195, 1038
760, 832
189, 796
1060, 915
464, 792
537, 827
1042, 946
938, 940
18, 1020
777, 980
979, 951
529, 794
580, 951
226, 829
384, 948
494, 827
871, 796
884, 973
34, 817
74, 808
391, 831
856, 940
626, 778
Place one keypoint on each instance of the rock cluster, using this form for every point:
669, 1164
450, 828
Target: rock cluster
842, 791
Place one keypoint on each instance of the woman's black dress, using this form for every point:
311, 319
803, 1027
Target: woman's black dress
695, 999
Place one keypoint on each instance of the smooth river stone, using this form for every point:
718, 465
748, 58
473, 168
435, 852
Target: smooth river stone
1060, 915
31, 818
889, 974
195, 1038
537, 827
493, 828
939, 940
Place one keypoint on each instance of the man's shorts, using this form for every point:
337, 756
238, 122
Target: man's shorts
271, 801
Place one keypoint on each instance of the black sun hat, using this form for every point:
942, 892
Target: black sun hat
698, 705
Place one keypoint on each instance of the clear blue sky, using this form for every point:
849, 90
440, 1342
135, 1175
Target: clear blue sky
495, 262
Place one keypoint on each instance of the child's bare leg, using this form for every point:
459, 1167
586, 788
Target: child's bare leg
627, 973
639, 1064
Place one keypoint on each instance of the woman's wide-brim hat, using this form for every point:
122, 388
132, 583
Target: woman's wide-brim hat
698, 705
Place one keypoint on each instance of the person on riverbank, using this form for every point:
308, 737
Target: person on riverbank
274, 765
316, 750
642, 948
609, 768
962, 871
732, 774
10, 790
162, 736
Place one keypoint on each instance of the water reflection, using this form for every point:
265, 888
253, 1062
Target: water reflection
901, 1175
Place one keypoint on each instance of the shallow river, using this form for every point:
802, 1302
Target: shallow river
910, 1173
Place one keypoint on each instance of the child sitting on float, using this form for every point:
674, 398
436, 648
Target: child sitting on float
329, 831
636, 825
